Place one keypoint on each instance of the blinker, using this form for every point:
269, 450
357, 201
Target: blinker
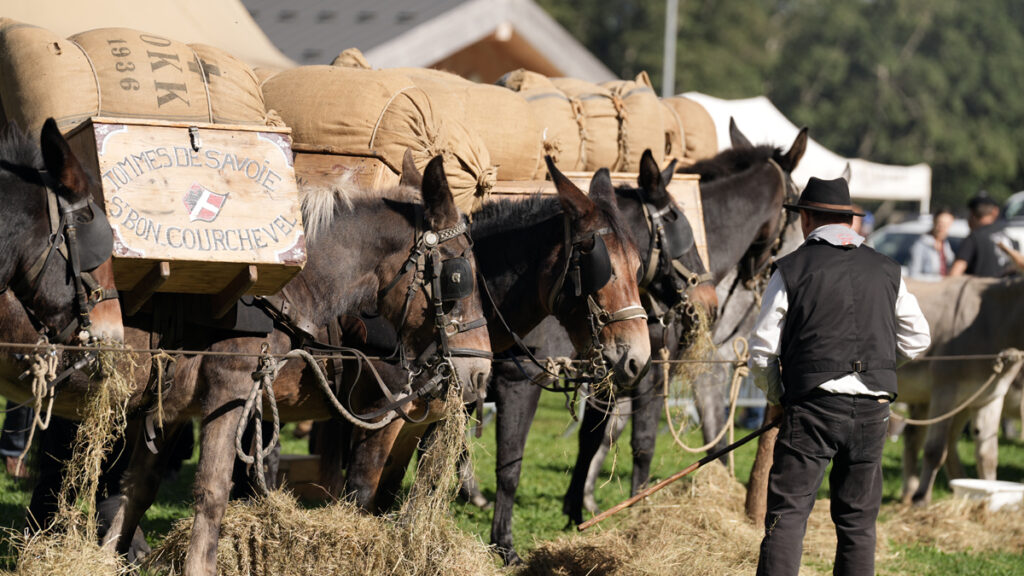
595, 267
677, 236
95, 238
456, 279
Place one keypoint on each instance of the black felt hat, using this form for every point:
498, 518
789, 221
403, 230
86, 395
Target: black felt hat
825, 196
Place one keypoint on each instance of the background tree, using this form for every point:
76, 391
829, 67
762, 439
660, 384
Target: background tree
893, 81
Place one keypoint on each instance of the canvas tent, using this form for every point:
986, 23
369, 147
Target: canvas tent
225, 24
763, 123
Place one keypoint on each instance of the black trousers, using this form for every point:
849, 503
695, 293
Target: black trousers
849, 431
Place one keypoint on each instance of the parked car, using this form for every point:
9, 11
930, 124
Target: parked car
1013, 211
895, 240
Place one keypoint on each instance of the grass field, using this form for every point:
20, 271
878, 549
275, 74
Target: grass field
546, 469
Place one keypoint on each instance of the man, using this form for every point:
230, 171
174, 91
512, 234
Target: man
931, 255
980, 254
836, 315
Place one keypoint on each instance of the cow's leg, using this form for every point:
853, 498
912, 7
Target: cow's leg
616, 424
711, 408
516, 403
913, 440
986, 438
935, 451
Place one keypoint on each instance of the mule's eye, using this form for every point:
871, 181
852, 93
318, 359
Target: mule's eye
639, 273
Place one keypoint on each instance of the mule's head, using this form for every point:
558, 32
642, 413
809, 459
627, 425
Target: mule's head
674, 273
766, 242
594, 293
447, 316
56, 241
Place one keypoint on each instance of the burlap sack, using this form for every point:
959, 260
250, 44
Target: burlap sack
602, 147
378, 113
120, 72
502, 118
701, 137
559, 119
352, 58
640, 121
42, 75
675, 135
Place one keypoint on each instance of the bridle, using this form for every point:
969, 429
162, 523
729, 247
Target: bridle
669, 239
443, 281
759, 275
81, 235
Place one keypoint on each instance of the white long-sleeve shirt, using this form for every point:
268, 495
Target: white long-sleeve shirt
912, 334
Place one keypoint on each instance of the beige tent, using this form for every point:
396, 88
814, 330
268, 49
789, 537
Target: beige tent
225, 24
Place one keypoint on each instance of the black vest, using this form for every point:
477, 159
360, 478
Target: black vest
841, 317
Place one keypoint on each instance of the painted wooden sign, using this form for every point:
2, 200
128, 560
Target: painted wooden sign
196, 208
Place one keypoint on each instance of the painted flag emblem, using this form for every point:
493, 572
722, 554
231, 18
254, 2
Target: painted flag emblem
203, 204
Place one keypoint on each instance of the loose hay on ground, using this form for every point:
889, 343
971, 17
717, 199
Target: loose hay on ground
274, 536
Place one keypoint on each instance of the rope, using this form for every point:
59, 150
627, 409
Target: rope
740, 372
161, 360
1010, 354
263, 380
44, 371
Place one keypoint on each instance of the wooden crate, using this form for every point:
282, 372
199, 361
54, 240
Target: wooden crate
300, 473
684, 188
321, 166
196, 208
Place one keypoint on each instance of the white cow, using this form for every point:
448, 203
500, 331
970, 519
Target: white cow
967, 316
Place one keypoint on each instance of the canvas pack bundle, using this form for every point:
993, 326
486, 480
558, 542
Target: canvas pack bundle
701, 138
640, 121
119, 72
559, 119
675, 135
378, 114
602, 147
502, 118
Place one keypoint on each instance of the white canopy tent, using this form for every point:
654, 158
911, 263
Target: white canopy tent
762, 123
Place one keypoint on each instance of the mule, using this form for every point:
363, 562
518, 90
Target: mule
670, 277
56, 277
967, 316
365, 247
568, 257
742, 192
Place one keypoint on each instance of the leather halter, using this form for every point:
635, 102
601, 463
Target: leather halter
428, 265
64, 239
784, 220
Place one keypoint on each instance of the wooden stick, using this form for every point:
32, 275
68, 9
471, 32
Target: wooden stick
713, 456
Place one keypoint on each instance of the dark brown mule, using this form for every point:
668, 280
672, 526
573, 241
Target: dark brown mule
359, 251
55, 274
530, 253
673, 283
742, 192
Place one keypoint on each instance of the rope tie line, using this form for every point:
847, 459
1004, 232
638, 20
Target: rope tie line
1010, 355
740, 371
161, 360
263, 381
43, 371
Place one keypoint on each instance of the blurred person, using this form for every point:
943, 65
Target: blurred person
931, 255
980, 254
836, 319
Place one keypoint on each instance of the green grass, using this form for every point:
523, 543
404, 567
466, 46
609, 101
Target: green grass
550, 454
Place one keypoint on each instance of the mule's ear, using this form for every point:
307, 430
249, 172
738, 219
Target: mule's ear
847, 173
410, 174
651, 181
61, 163
796, 151
668, 172
574, 202
438, 204
736, 137
601, 188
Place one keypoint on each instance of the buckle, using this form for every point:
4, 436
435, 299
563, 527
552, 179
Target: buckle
858, 366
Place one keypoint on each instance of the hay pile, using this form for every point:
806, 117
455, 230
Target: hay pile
956, 525
69, 545
274, 536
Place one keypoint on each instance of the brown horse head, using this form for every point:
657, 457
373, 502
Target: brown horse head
596, 297
57, 242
